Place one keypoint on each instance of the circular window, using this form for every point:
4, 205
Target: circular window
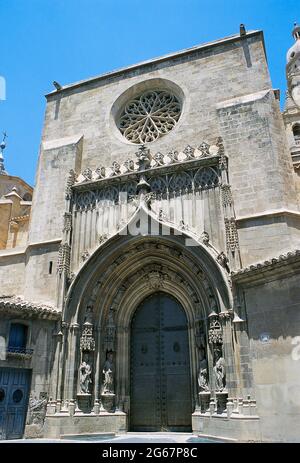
17, 395
2, 394
149, 116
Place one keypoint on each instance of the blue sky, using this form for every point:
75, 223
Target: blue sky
69, 40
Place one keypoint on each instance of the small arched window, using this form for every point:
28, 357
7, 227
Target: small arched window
296, 133
17, 337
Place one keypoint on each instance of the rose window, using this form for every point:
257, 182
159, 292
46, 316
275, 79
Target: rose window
148, 117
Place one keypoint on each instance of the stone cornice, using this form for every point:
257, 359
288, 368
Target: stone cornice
160, 170
14, 305
155, 61
24, 249
243, 99
283, 265
270, 213
148, 164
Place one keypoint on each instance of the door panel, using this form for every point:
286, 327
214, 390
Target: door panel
15, 383
160, 370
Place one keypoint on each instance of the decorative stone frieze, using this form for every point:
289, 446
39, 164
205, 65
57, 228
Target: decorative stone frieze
155, 279
226, 194
110, 332
215, 334
70, 182
67, 222
85, 255
150, 162
232, 239
64, 256
87, 173
205, 238
223, 260
87, 341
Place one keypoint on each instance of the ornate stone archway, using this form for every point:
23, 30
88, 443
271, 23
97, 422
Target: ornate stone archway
105, 277
102, 300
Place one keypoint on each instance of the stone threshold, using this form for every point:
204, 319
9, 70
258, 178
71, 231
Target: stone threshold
90, 434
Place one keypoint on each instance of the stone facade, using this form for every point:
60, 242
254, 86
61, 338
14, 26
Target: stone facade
207, 211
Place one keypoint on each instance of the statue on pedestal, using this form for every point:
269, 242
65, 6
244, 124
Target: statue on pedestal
108, 372
219, 370
85, 377
203, 372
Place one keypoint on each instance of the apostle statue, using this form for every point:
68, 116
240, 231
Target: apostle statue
108, 372
219, 370
85, 377
203, 372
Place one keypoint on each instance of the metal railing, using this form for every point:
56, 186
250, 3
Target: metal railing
19, 350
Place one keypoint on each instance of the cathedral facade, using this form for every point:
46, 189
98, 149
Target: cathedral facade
158, 285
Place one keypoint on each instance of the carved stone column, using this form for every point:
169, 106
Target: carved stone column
53, 394
231, 378
204, 393
64, 253
109, 367
63, 336
97, 376
219, 370
72, 361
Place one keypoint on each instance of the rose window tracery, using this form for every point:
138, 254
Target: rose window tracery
149, 116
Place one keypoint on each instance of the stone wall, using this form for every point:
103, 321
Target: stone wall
272, 310
40, 284
12, 272
206, 76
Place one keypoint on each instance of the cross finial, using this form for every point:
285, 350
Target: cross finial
3, 144
2, 147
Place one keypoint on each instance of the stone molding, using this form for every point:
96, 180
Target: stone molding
271, 213
190, 157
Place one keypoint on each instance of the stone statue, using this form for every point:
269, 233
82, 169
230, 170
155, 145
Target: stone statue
36, 411
85, 377
203, 372
89, 314
108, 372
219, 371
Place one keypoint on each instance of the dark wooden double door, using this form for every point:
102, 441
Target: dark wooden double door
14, 393
160, 396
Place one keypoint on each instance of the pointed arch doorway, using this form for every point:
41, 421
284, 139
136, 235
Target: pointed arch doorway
160, 379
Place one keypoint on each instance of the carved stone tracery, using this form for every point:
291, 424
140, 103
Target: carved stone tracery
215, 334
232, 238
149, 116
87, 341
63, 261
